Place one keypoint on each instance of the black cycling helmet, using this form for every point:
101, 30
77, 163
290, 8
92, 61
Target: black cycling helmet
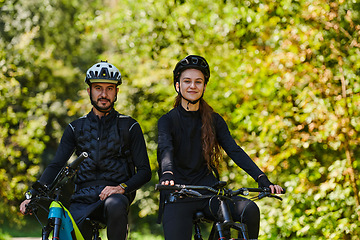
103, 72
192, 61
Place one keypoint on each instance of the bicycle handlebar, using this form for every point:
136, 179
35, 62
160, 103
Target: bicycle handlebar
74, 164
179, 187
222, 191
66, 173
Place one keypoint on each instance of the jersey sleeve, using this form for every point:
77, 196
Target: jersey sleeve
139, 156
234, 151
63, 153
165, 151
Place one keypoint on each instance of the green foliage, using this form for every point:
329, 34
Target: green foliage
36, 81
284, 75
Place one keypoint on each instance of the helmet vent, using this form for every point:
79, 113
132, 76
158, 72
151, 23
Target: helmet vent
104, 72
195, 60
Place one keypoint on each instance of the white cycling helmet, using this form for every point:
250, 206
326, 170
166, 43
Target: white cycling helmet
103, 72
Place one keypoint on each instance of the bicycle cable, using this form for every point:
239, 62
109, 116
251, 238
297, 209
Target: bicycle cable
210, 200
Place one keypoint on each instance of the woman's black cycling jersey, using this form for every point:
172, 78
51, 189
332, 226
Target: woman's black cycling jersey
187, 164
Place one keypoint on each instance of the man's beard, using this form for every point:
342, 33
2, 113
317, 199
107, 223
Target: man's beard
102, 108
100, 105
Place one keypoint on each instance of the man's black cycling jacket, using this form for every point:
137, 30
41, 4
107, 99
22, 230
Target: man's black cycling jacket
100, 138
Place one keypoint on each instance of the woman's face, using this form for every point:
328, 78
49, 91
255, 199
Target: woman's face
192, 84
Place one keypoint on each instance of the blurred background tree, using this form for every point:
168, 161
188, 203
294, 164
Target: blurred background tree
284, 75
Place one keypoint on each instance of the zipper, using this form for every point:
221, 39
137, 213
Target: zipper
98, 150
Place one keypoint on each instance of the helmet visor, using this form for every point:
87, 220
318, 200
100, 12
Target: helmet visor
103, 81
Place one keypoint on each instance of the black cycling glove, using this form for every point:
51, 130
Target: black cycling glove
166, 177
263, 181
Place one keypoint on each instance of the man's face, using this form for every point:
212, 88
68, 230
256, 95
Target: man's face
103, 94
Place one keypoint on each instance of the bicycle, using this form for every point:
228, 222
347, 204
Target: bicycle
59, 221
224, 223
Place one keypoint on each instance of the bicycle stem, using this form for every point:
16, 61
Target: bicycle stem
224, 208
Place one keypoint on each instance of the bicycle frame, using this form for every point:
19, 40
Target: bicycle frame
61, 223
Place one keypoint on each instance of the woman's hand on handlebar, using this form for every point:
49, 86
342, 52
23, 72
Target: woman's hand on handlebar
276, 189
263, 181
167, 178
167, 182
23, 207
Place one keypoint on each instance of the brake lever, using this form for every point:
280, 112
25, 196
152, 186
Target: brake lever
264, 194
276, 196
268, 194
190, 192
187, 193
31, 207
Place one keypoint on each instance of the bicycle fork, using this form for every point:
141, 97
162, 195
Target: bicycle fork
53, 224
227, 222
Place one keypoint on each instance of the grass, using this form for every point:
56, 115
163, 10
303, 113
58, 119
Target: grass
32, 228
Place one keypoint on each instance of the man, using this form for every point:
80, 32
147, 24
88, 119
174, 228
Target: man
104, 185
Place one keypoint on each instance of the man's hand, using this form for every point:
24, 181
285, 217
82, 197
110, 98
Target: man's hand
109, 190
23, 207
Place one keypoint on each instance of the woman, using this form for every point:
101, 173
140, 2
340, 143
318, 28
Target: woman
190, 138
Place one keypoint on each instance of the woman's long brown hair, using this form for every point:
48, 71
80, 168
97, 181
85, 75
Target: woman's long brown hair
210, 146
